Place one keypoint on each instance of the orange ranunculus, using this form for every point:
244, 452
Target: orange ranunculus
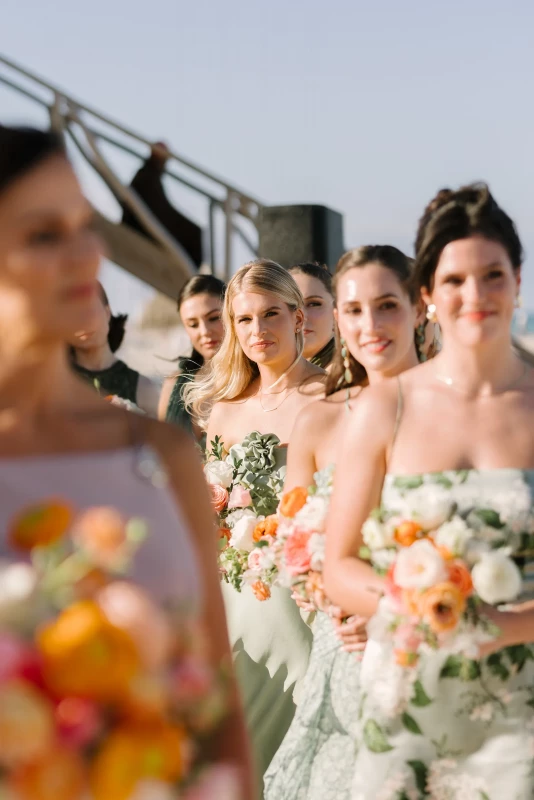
85, 655
407, 533
293, 501
405, 659
27, 727
261, 590
101, 533
60, 775
40, 525
441, 606
461, 577
131, 754
266, 527
410, 598
219, 497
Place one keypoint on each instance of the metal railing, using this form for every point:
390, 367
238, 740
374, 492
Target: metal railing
71, 117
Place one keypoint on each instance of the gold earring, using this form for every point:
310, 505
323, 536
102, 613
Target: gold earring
431, 313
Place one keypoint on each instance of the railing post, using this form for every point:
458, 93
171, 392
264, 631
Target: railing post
57, 120
211, 223
228, 234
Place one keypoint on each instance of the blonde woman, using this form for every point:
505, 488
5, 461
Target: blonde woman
259, 382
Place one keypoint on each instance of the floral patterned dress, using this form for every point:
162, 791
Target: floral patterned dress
452, 728
317, 755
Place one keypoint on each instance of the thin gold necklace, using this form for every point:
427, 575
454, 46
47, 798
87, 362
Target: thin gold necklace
450, 382
268, 410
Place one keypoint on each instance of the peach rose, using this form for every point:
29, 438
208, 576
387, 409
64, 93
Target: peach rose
40, 525
296, 553
219, 497
101, 533
261, 590
461, 577
293, 501
441, 606
407, 533
60, 775
26, 724
239, 497
315, 590
266, 527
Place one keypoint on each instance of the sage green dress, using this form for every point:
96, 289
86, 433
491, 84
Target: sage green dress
453, 728
119, 379
271, 645
176, 411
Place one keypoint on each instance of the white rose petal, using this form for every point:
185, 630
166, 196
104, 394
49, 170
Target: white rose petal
419, 566
430, 506
219, 473
383, 559
313, 514
316, 546
240, 513
496, 578
376, 535
454, 536
242, 533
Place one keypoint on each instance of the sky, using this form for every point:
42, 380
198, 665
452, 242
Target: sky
366, 107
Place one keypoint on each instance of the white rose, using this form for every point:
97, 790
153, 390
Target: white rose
18, 583
383, 559
316, 547
242, 532
454, 536
240, 513
376, 535
429, 505
219, 472
313, 514
496, 578
419, 566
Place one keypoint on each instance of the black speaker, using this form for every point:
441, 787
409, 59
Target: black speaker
290, 234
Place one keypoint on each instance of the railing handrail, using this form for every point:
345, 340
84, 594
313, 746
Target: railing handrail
230, 188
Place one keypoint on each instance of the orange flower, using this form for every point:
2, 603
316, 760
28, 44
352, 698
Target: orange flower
441, 606
58, 776
405, 659
315, 589
407, 533
85, 655
261, 590
133, 754
293, 501
101, 533
40, 525
26, 723
266, 527
410, 598
461, 577
219, 497
90, 583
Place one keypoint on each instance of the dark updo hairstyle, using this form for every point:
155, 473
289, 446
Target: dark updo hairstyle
21, 149
314, 270
402, 267
117, 324
452, 215
199, 284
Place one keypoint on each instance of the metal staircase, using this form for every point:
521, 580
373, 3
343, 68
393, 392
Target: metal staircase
159, 261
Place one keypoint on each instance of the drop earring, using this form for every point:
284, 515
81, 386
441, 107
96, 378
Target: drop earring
346, 362
420, 338
518, 301
431, 313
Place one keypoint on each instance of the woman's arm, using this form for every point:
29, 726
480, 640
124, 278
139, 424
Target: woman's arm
301, 465
165, 396
349, 582
231, 744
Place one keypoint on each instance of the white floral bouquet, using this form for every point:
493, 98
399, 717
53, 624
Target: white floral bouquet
440, 566
121, 402
245, 484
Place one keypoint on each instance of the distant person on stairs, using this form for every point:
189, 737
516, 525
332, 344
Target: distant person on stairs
148, 185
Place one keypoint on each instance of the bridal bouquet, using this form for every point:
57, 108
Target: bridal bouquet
245, 486
440, 566
121, 402
104, 695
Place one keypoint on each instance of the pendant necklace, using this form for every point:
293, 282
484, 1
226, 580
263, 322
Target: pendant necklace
450, 382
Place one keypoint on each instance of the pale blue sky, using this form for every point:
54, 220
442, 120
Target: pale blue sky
368, 107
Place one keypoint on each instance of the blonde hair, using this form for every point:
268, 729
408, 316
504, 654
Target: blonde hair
230, 371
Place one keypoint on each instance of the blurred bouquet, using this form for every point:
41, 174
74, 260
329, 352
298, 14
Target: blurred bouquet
121, 402
245, 486
104, 695
440, 566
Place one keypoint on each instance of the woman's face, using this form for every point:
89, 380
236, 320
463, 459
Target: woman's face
201, 316
49, 255
96, 337
376, 318
475, 289
265, 327
318, 313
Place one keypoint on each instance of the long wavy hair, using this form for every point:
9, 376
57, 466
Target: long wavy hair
402, 267
230, 371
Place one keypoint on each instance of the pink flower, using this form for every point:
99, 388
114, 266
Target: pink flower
219, 497
296, 552
78, 721
220, 782
13, 656
191, 680
406, 637
239, 497
255, 558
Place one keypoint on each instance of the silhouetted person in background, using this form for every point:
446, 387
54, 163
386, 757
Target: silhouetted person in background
148, 184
